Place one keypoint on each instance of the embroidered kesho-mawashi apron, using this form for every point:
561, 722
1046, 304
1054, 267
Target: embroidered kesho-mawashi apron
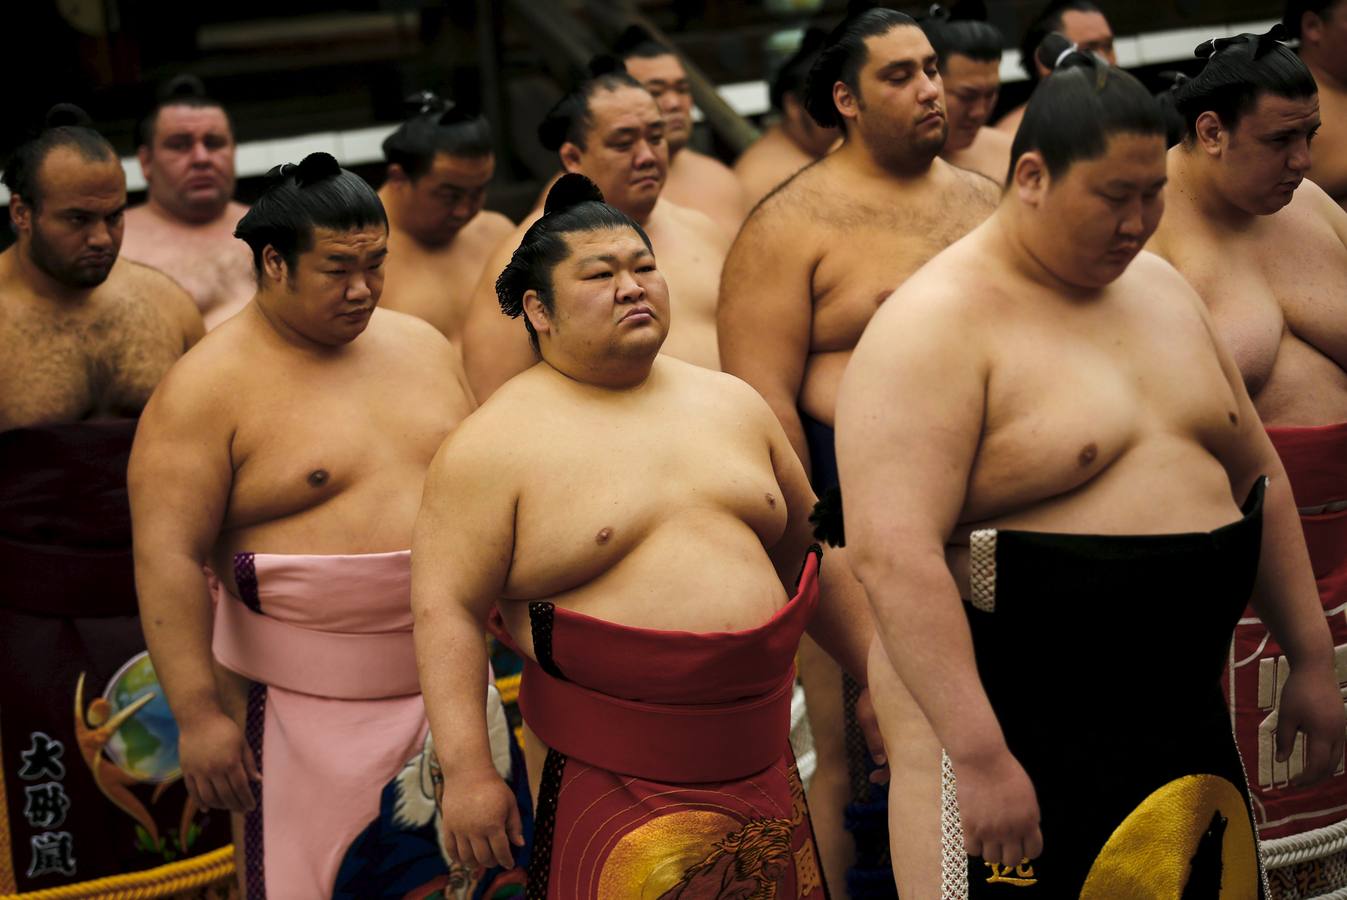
670, 772
89, 781
1128, 743
1304, 830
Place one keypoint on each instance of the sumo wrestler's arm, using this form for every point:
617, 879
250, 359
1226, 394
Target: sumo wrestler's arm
842, 625
909, 420
765, 314
461, 552
1285, 595
179, 480
495, 347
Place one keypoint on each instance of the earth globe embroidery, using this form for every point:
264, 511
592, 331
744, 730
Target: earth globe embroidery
128, 738
146, 745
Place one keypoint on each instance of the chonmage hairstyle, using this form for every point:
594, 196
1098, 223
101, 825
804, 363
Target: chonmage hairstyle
1075, 110
975, 39
573, 204
317, 193
1294, 13
790, 77
1238, 70
181, 90
65, 125
841, 58
1048, 21
1174, 125
636, 42
436, 126
569, 120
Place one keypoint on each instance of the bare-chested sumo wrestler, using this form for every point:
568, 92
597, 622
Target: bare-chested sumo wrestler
810, 267
1081, 22
286, 455
695, 180
1045, 457
610, 130
970, 69
440, 162
1321, 26
1266, 248
639, 525
185, 227
795, 140
84, 338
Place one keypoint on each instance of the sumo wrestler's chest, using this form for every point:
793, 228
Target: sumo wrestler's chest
103, 362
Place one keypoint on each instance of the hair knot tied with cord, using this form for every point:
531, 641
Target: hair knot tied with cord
1262, 43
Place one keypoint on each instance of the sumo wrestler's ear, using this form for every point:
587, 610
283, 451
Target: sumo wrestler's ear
1030, 179
570, 156
1311, 29
397, 174
20, 213
536, 312
844, 100
143, 153
273, 264
1210, 133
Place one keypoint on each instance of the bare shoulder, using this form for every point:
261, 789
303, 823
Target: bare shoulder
996, 138
412, 347
708, 166
1314, 202
147, 282
973, 188
695, 223
813, 186
506, 241
1152, 267
235, 211
205, 382
1153, 279
145, 286
135, 216
492, 227
507, 422
959, 288
413, 332
789, 210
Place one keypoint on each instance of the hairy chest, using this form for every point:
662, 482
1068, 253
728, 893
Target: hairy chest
92, 363
866, 258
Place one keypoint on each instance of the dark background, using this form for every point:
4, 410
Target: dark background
293, 67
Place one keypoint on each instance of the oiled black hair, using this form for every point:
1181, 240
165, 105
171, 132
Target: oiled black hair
975, 39
1175, 128
636, 42
65, 125
436, 126
1046, 22
842, 56
570, 119
182, 90
1293, 13
1239, 69
317, 193
791, 76
1075, 110
573, 204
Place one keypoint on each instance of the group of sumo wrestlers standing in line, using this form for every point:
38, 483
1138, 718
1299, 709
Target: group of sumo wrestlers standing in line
1088, 490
